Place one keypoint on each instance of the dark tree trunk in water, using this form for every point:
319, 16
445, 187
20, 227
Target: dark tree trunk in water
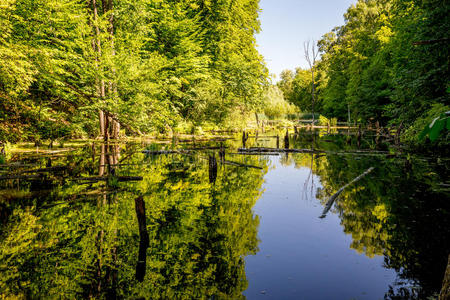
144, 239
244, 139
212, 169
286, 140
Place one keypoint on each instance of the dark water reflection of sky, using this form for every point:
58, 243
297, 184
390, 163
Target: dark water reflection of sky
302, 256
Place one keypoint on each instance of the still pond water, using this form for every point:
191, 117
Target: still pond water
82, 224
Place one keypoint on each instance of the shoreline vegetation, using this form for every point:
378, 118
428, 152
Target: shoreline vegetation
86, 70
384, 139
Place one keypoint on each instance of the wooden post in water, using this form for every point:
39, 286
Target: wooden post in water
244, 139
377, 138
358, 137
144, 239
212, 169
286, 140
278, 141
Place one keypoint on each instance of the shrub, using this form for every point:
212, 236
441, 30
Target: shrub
323, 120
412, 134
275, 106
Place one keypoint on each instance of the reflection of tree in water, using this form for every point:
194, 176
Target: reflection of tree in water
396, 212
84, 241
215, 230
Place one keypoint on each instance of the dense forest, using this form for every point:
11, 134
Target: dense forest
389, 63
104, 68
70, 68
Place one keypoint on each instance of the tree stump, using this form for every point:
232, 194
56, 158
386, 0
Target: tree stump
244, 139
286, 140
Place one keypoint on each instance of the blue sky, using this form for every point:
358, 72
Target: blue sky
286, 24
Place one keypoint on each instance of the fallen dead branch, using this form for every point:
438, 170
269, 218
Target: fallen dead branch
336, 195
160, 152
256, 153
105, 178
274, 150
205, 148
49, 169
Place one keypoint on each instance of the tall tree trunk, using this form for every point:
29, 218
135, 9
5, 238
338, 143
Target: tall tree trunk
101, 118
102, 162
311, 59
100, 83
114, 126
313, 92
108, 123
